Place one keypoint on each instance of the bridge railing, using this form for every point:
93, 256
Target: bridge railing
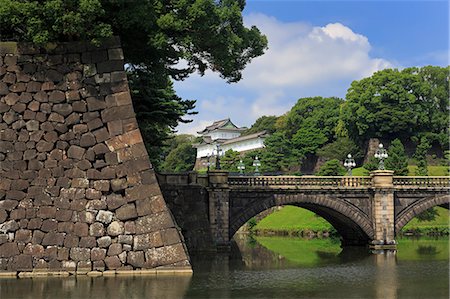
301, 181
421, 181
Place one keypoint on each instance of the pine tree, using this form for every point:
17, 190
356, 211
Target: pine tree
397, 160
421, 157
331, 168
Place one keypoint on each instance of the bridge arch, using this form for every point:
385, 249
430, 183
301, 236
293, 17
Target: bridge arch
354, 226
418, 207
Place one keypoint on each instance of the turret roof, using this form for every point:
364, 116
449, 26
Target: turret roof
221, 124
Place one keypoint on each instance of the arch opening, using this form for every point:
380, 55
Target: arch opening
420, 206
353, 226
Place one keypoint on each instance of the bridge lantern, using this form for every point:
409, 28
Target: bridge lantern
256, 164
381, 154
218, 151
241, 167
349, 163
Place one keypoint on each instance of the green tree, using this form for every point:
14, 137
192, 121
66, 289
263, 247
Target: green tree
397, 159
371, 164
339, 149
316, 113
308, 139
421, 157
398, 104
433, 97
264, 123
156, 37
331, 168
230, 160
180, 159
279, 153
53, 20
428, 215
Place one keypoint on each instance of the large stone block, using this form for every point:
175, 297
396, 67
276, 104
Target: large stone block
9, 250
115, 228
154, 222
80, 254
145, 241
126, 212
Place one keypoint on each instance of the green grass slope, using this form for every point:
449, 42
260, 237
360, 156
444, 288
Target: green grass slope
432, 170
290, 218
441, 221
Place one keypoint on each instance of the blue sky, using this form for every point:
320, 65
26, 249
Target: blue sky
317, 48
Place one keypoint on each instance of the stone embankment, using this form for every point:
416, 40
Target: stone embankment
77, 190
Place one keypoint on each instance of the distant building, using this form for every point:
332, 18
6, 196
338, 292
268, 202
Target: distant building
228, 136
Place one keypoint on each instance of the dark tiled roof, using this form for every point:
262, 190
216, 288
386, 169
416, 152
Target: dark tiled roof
219, 124
208, 140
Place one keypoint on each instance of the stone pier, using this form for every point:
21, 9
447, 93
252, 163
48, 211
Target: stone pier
383, 210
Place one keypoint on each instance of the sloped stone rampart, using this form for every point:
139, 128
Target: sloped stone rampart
77, 190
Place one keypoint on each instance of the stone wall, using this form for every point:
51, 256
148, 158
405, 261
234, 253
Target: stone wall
189, 205
77, 190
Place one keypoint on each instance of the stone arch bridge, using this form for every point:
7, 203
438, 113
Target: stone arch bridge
364, 210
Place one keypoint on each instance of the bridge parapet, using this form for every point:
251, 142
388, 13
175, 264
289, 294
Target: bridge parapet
301, 181
421, 181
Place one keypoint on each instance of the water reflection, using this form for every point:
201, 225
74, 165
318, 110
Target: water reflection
427, 250
98, 287
272, 268
276, 267
386, 282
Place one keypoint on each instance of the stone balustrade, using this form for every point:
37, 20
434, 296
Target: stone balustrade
306, 181
301, 181
421, 181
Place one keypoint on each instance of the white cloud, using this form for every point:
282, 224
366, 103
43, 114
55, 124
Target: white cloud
302, 60
269, 104
303, 55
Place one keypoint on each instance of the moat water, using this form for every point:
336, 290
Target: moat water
272, 267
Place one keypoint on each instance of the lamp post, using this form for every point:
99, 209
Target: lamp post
349, 163
241, 167
381, 154
218, 151
256, 164
208, 162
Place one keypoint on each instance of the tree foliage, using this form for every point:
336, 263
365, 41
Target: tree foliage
300, 132
53, 20
230, 160
316, 113
339, 149
371, 164
264, 123
279, 153
428, 215
399, 104
331, 168
180, 155
421, 157
397, 159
